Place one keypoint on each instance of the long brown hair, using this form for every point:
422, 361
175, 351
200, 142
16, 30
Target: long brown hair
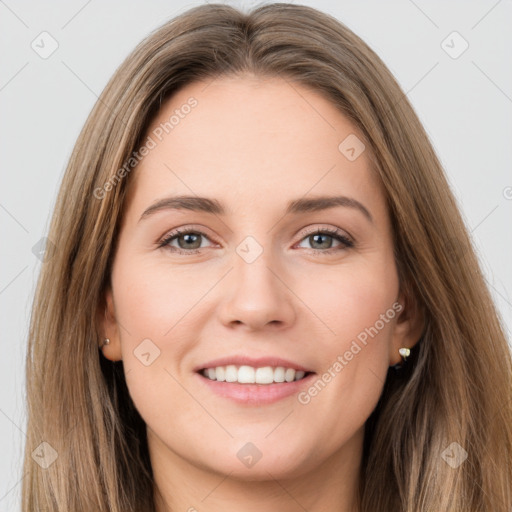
457, 387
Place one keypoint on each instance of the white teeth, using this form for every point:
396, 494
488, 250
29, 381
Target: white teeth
248, 375
299, 374
289, 375
220, 373
231, 373
264, 375
279, 374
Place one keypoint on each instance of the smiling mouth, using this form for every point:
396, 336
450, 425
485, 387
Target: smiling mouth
250, 375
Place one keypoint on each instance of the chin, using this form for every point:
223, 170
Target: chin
250, 464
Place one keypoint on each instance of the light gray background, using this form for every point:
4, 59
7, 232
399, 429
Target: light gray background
465, 104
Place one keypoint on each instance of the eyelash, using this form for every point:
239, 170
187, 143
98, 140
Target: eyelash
334, 233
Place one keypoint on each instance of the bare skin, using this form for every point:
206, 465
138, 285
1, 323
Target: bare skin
255, 144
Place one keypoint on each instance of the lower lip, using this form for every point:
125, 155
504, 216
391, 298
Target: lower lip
256, 394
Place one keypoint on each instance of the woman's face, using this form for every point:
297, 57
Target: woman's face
254, 284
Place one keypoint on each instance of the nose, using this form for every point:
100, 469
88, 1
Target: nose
257, 294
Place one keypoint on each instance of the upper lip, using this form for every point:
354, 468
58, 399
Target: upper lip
258, 362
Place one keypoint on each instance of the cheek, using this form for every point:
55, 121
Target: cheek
150, 309
359, 309
349, 300
152, 298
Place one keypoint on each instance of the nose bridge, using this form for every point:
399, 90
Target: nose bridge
256, 295
253, 262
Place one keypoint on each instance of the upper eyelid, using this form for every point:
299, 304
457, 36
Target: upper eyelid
185, 230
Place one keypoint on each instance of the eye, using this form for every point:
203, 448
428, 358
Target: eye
322, 239
189, 241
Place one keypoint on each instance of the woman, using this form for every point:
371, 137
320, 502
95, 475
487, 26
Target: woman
241, 365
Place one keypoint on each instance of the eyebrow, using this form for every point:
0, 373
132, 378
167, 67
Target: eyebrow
207, 205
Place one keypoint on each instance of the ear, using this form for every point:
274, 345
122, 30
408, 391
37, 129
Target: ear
409, 325
109, 327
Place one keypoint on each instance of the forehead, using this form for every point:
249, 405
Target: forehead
252, 140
